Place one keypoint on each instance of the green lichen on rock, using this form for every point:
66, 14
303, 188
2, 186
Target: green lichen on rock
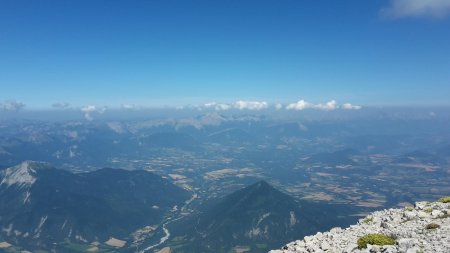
444, 199
375, 239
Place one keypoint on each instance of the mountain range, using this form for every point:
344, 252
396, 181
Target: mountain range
41, 205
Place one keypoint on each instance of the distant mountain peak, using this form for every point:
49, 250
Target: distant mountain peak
262, 184
256, 214
22, 175
258, 189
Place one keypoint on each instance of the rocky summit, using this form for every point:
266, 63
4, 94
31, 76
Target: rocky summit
422, 228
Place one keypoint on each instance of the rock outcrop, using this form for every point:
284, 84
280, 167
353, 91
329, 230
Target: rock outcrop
422, 228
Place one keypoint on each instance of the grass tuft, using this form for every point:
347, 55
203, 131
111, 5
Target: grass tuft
367, 220
444, 199
375, 239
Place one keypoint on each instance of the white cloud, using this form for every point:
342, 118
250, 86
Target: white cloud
297, 106
130, 106
89, 110
240, 105
11, 105
210, 105
417, 8
329, 106
217, 106
60, 105
300, 105
348, 106
250, 105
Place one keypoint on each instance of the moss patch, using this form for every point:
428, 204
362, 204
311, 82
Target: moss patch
444, 200
375, 239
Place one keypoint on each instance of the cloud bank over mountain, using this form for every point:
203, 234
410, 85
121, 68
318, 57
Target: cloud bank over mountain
251, 105
94, 111
296, 106
328, 106
217, 106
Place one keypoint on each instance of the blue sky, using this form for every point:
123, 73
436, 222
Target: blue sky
154, 53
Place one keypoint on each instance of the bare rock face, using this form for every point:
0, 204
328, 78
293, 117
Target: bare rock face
422, 228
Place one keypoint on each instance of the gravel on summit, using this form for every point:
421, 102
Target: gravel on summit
410, 227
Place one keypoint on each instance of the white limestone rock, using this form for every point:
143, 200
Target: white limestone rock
407, 225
